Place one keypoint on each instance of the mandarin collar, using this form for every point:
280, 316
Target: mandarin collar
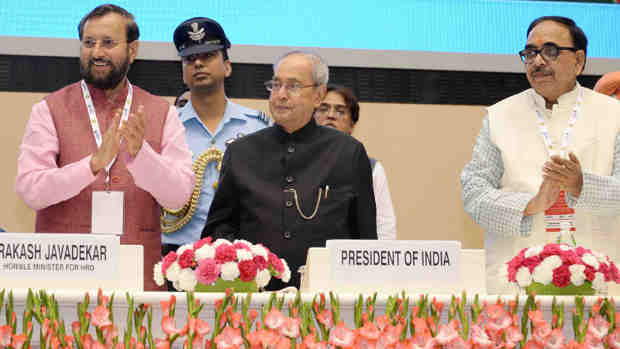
566, 100
303, 133
98, 94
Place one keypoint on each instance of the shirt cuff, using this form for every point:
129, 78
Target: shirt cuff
587, 196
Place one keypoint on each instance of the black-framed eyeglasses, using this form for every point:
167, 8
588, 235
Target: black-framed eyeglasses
548, 51
292, 88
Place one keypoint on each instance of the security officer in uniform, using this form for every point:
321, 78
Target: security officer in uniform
296, 184
211, 123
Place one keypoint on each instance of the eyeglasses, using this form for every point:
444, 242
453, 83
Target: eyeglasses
549, 52
340, 111
293, 89
105, 43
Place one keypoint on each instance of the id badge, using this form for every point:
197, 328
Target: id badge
107, 215
559, 216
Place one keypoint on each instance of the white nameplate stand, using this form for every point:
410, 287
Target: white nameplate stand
69, 262
391, 266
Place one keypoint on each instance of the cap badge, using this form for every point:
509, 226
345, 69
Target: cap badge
196, 34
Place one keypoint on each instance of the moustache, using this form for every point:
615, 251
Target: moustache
542, 70
98, 60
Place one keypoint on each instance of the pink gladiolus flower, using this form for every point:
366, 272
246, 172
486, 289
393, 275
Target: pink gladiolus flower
110, 332
542, 330
97, 345
479, 338
532, 344
18, 340
458, 343
555, 339
402, 345
75, 325
5, 335
283, 343
229, 338
390, 336
69, 340
445, 334
169, 326
420, 326
274, 319
202, 327
290, 328
161, 344
166, 306
536, 316
319, 345
342, 336
382, 322
499, 318
87, 341
423, 341
326, 318
598, 326
592, 342
572, 344
613, 339
208, 271
513, 334
101, 316
263, 339
369, 331
364, 343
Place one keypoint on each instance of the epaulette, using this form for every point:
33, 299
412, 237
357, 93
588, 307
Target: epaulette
260, 117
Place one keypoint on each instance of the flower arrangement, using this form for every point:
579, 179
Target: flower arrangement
407, 323
562, 269
217, 265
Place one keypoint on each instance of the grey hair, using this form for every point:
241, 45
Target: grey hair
320, 70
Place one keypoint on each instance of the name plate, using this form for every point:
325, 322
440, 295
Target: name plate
59, 256
394, 262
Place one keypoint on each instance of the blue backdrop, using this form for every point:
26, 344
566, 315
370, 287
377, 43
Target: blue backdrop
469, 26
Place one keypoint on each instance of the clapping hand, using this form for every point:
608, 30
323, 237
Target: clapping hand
110, 146
566, 172
132, 131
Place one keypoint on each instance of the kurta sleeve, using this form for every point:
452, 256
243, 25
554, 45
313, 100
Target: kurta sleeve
40, 182
223, 219
601, 193
364, 218
496, 211
386, 219
168, 175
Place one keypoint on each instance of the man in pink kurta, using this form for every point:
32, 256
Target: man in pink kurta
61, 164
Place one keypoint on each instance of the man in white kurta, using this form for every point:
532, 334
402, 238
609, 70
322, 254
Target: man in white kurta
512, 177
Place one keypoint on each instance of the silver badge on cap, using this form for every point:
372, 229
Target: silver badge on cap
196, 34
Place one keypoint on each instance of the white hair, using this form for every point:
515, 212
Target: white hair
320, 70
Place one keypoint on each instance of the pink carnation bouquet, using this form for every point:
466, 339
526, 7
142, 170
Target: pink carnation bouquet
214, 266
562, 269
